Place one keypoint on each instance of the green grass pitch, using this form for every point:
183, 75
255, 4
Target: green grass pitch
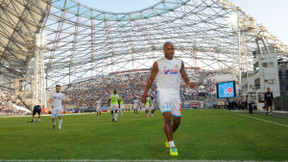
212, 135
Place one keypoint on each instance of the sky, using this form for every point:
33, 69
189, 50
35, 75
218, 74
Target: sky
273, 14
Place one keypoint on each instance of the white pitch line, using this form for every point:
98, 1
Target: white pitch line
266, 121
116, 160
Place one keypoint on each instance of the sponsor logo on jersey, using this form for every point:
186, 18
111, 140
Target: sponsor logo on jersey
57, 98
171, 71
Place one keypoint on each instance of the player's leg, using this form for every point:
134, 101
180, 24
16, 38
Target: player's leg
270, 107
116, 115
33, 116
176, 117
176, 123
167, 125
112, 112
39, 116
54, 123
152, 112
169, 133
60, 115
53, 117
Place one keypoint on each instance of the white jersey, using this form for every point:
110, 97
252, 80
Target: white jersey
202, 104
98, 103
168, 76
57, 99
136, 102
152, 103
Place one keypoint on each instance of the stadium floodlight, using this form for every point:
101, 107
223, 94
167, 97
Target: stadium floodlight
40, 40
233, 21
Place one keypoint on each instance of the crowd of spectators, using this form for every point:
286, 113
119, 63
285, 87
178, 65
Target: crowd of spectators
131, 85
10, 104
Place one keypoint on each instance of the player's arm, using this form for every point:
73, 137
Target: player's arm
64, 104
150, 81
119, 103
185, 77
50, 102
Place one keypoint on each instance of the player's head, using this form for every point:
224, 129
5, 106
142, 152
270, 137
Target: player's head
58, 87
247, 96
114, 91
168, 50
152, 98
268, 89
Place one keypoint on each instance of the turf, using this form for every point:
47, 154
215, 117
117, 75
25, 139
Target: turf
212, 135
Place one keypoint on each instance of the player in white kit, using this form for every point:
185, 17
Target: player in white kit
135, 106
121, 105
98, 109
58, 105
202, 105
167, 72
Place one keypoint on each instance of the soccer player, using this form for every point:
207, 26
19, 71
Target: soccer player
36, 109
114, 104
58, 105
202, 105
121, 106
98, 109
147, 106
167, 72
135, 106
268, 101
152, 106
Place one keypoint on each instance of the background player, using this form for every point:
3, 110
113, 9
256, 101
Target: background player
147, 106
58, 105
202, 105
153, 106
121, 106
36, 109
268, 101
167, 72
98, 109
114, 104
135, 106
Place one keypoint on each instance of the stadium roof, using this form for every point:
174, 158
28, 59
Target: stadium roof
85, 42
19, 21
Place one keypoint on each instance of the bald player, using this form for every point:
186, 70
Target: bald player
167, 72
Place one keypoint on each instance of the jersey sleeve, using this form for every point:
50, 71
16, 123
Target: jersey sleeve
51, 96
